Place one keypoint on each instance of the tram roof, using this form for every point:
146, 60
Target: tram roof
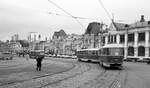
91, 49
113, 46
36, 50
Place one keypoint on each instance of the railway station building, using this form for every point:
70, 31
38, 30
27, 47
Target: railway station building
135, 38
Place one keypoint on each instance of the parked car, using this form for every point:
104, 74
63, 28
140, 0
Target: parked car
131, 59
145, 60
148, 62
6, 56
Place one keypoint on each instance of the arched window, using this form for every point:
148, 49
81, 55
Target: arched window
141, 51
130, 51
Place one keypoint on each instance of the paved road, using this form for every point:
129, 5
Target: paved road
69, 73
138, 75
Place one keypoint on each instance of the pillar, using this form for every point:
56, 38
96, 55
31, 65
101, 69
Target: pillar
106, 40
147, 44
117, 38
126, 46
135, 44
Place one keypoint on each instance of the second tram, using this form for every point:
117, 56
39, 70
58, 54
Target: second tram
88, 54
108, 56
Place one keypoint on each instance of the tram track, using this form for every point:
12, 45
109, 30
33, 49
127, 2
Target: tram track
120, 79
75, 66
37, 77
69, 77
108, 78
93, 82
116, 82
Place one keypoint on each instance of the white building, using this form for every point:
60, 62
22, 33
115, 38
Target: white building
34, 36
134, 37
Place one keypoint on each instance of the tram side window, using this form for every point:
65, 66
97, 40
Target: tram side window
93, 52
96, 52
105, 51
89, 52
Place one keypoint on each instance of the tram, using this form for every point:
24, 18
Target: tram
88, 54
111, 55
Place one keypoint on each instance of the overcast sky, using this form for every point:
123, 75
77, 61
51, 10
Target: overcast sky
23, 16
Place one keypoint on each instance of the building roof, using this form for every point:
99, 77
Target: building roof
91, 49
94, 28
140, 24
119, 26
60, 33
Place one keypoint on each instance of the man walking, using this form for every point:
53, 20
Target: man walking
39, 63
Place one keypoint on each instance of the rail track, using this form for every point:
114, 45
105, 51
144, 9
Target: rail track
36, 77
76, 67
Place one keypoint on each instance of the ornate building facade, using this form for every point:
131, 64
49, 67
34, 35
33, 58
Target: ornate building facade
92, 37
135, 38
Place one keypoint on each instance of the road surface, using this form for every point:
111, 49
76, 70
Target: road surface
69, 73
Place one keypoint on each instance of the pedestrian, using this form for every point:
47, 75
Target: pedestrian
39, 63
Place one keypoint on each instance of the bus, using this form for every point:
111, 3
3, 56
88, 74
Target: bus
88, 54
111, 55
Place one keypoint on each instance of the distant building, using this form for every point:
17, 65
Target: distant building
92, 35
58, 40
135, 38
15, 37
72, 43
34, 36
10, 46
59, 34
15, 46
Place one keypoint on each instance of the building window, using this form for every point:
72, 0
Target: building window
103, 40
122, 38
114, 38
141, 37
109, 38
131, 37
130, 51
141, 51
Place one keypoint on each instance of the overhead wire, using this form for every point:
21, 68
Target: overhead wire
73, 17
68, 14
100, 1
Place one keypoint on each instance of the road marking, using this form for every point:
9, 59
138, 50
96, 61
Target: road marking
116, 84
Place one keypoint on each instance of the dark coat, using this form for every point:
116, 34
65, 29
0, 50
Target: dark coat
39, 61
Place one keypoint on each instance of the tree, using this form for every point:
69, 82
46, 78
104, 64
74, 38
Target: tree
23, 43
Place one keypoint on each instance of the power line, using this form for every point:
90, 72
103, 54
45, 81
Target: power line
67, 13
75, 17
105, 9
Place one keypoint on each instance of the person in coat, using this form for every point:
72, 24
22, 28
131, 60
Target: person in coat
39, 63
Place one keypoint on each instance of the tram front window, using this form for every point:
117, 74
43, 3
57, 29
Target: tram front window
116, 51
